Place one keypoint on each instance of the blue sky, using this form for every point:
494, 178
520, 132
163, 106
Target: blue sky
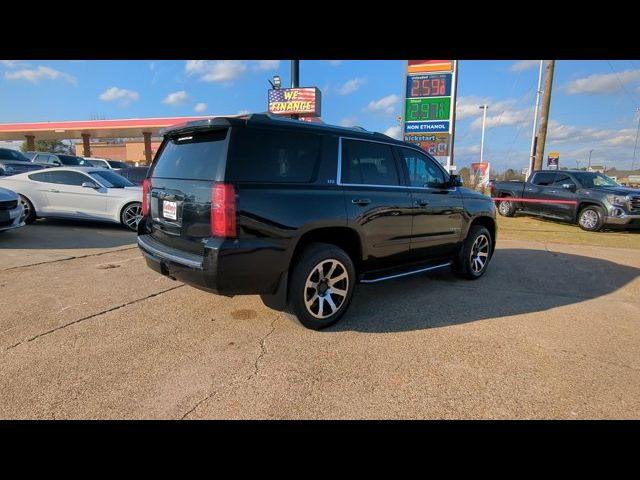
593, 106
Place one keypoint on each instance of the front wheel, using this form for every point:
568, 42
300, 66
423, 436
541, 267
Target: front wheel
321, 285
131, 216
28, 211
591, 218
473, 258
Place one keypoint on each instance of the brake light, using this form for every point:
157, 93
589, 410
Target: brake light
223, 210
145, 196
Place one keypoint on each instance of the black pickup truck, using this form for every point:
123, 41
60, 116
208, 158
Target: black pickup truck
590, 199
300, 212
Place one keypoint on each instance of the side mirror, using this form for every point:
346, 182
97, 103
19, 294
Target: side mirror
89, 185
455, 181
57, 163
569, 186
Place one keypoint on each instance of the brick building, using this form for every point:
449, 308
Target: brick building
131, 151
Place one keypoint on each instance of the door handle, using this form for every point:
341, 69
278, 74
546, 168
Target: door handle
422, 203
361, 201
530, 189
54, 190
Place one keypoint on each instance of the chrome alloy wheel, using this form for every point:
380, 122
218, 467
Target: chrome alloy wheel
504, 208
479, 253
326, 288
588, 219
26, 209
132, 215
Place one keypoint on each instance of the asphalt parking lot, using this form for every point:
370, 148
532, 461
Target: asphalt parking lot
87, 331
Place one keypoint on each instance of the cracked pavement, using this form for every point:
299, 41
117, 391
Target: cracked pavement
88, 331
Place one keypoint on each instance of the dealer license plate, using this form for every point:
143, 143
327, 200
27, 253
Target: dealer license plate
170, 210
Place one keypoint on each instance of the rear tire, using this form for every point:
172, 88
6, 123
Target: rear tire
475, 254
321, 285
591, 218
131, 215
29, 213
506, 208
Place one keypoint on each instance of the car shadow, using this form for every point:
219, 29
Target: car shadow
67, 234
518, 281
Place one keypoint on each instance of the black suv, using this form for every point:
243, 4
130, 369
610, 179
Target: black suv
300, 212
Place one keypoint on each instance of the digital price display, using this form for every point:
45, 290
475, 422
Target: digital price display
422, 109
432, 85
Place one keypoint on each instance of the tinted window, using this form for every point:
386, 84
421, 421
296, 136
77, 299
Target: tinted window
71, 160
41, 177
594, 179
423, 172
68, 178
563, 179
9, 154
97, 163
30, 155
264, 155
543, 178
115, 164
368, 163
198, 156
134, 175
111, 179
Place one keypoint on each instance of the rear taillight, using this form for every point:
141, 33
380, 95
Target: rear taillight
223, 210
145, 196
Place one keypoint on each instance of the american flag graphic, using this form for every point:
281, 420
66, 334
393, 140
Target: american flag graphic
292, 100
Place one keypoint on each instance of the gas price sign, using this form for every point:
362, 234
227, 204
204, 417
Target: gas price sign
434, 85
422, 109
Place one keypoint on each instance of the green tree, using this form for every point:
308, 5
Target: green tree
53, 146
509, 174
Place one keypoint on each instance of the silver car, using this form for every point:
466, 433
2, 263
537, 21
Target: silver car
11, 210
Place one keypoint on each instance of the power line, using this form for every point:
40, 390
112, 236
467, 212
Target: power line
622, 84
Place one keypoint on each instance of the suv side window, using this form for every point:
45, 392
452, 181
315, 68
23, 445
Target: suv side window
368, 163
266, 155
423, 172
68, 178
543, 179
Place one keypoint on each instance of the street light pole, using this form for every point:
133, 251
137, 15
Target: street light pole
295, 79
484, 121
589, 164
636, 145
532, 159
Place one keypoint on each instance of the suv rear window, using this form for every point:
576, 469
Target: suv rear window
196, 156
265, 155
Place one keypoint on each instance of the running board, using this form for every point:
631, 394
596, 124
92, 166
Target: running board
404, 274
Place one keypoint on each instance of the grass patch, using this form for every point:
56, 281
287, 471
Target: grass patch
542, 230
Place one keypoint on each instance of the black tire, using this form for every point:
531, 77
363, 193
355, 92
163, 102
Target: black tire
127, 211
506, 208
320, 256
28, 207
467, 263
591, 218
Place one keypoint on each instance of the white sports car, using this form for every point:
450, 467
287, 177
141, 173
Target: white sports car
82, 193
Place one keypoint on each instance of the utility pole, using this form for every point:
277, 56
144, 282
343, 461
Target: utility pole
295, 79
484, 121
544, 116
589, 164
532, 158
636, 146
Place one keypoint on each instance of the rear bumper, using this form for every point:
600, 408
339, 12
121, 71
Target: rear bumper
227, 267
14, 220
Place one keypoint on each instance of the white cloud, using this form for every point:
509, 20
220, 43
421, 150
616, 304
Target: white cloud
386, 104
348, 122
34, 75
225, 71
335, 63
467, 107
394, 132
176, 98
200, 107
122, 94
9, 63
601, 83
351, 86
152, 66
505, 118
523, 65
267, 64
